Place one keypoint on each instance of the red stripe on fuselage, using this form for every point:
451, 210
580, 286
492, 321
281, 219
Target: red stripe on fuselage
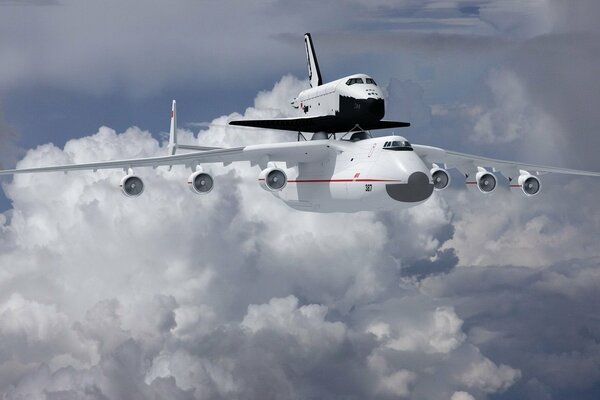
338, 180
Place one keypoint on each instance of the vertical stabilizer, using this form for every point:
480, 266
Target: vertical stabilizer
173, 131
314, 74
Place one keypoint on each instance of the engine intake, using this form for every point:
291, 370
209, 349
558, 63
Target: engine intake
441, 178
486, 181
200, 182
272, 179
530, 185
132, 186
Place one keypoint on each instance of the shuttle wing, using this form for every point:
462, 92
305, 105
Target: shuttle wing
329, 123
467, 163
295, 152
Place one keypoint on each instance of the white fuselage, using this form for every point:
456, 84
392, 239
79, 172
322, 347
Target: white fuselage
340, 98
364, 176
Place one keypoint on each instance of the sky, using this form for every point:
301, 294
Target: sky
234, 295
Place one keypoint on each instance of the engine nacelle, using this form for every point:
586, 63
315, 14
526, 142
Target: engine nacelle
131, 185
272, 179
441, 178
486, 181
530, 185
200, 182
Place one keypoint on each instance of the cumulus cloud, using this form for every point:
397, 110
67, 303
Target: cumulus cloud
234, 295
177, 295
461, 396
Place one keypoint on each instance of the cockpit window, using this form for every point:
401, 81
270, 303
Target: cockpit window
398, 145
371, 81
352, 81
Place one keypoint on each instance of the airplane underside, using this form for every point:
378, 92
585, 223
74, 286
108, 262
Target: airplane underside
329, 197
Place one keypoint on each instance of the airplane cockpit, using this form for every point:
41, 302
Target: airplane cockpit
353, 81
397, 145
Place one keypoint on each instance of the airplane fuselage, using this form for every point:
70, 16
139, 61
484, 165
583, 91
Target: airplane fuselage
365, 175
356, 98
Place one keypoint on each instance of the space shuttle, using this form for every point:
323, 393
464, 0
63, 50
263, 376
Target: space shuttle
353, 103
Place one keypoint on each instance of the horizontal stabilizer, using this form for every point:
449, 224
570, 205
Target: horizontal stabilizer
330, 124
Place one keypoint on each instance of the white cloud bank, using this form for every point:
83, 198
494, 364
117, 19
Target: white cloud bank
232, 295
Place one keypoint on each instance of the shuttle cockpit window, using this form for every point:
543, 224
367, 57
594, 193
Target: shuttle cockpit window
352, 81
398, 145
371, 81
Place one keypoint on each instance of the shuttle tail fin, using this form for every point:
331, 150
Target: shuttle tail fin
314, 74
173, 131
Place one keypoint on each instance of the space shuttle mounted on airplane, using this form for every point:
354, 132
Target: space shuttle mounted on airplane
353, 172
354, 102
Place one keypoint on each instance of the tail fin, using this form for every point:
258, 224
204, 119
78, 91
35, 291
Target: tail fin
173, 131
314, 74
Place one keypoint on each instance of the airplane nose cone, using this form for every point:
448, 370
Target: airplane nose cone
418, 188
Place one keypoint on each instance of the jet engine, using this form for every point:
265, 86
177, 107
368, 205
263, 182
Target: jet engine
530, 185
441, 178
131, 185
200, 182
486, 181
272, 179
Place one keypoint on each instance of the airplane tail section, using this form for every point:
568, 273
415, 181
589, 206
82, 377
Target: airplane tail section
173, 144
173, 131
314, 74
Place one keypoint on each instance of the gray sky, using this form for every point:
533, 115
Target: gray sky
234, 295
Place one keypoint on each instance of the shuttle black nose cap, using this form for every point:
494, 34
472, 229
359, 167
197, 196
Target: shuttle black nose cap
418, 188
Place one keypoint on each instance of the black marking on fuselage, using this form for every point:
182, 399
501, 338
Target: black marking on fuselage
418, 188
360, 111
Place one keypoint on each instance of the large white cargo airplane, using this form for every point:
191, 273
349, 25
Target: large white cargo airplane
355, 172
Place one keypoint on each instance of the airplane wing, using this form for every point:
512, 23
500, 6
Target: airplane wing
467, 163
329, 123
295, 152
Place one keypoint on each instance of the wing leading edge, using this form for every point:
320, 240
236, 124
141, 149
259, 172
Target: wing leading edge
295, 152
467, 163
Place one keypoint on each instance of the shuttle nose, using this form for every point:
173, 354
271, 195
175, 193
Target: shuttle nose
418, 188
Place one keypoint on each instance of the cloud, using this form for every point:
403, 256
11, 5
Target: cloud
307, 323
536, 319
461, 396
235, 295
175, 295
109, 52
29, 2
